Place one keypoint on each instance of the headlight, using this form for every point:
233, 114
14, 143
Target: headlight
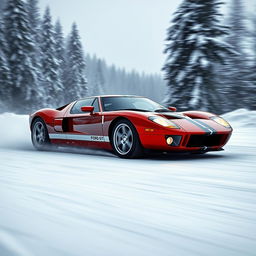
163, 122
221, 121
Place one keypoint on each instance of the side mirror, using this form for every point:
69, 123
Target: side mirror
172, 109
88, 109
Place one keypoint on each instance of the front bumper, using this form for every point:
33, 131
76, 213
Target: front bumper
187, 142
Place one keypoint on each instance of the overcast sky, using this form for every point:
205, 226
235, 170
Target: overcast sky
127, 33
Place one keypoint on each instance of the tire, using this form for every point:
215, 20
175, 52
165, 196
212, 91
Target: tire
39, 135
125, 140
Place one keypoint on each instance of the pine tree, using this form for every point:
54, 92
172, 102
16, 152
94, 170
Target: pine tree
118, 81
34, 20
75, 79
20, 44
2, 4
5, 80
236, 73
112, 79
254, 39
60, 51
252, 76
99, 80
193, 47
50, 65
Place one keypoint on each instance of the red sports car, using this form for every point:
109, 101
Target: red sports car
128, 125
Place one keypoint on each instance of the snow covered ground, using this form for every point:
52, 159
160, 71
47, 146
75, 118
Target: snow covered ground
93, 203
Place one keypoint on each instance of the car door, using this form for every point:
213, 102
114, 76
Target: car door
84, 128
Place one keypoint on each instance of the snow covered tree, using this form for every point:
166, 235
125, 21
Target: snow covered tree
236, 73
2, 4
252, 76
5, 80
34, 20
193, 47
112, 77
75, 79
60, 49
50, 64
20, 44
99, 80
118, 81
254, 39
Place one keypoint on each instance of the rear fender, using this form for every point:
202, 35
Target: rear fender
48, 116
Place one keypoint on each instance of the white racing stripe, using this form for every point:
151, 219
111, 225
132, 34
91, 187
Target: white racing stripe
82, 137
201, 125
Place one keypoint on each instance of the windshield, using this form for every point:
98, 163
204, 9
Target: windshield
131, 103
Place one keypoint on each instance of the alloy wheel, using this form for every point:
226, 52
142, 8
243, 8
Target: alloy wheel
123, 139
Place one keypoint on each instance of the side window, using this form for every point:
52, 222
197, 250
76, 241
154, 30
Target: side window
96, 105
76, 109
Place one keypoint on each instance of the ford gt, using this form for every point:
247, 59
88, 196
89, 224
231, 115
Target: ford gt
129, 126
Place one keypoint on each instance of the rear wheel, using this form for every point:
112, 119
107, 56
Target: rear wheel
39, 135
125, 140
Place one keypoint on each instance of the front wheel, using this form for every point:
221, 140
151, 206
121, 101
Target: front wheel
125, 140
39, 135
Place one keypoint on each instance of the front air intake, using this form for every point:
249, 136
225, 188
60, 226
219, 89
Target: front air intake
205, 140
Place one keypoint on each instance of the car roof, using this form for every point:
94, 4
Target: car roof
105, 96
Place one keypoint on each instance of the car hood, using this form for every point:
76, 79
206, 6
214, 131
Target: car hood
187, 124
193, 125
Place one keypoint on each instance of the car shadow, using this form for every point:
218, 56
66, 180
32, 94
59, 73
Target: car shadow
185, 156
147, 156
153, 156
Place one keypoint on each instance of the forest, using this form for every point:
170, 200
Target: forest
40, 67
210, 61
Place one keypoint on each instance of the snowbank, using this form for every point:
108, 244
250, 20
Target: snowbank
243, 122
14, 131
241, 118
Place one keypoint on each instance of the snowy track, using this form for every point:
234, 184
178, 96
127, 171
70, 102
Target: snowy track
93, 203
